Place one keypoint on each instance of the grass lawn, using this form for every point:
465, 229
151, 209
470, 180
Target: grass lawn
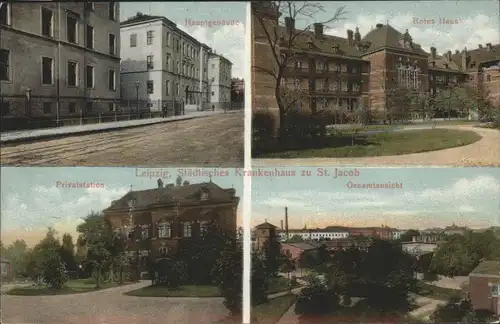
280, 284
380, 144
435, 292
183, 291
72, 287
273, 310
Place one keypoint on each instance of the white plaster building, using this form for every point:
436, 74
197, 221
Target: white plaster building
219, 76
59, 59
314, 234
162, 64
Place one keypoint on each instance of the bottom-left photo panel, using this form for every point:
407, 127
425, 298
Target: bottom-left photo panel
121, 245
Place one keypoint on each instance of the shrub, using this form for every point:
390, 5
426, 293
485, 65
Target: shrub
263, 124
316, 300
171, 273
306, 125
54, 270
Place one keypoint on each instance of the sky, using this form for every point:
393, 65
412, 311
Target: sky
428, 197
226, 40
32, 199
478, 22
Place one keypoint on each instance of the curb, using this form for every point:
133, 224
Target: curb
45, 137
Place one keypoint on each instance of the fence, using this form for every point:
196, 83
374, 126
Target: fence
19, 112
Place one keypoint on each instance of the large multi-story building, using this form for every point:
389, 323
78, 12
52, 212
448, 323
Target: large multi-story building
59, 60
161, 63
219, 76
484, 286
163, 219
357, 71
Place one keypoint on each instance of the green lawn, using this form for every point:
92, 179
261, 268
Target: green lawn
183, 291
273, 310
72, 287
381, 144
431, 291
280, 284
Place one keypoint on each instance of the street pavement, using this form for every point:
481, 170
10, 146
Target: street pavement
211, 141
485, 152
110, 306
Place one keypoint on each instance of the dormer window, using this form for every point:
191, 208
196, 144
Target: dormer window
204, 195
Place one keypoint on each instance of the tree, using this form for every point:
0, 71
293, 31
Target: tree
17, 253
288, 265
259, 281
283, 48
171, 273
67, 252
227, 274
272, 257
409, 235
460, 311
52, 269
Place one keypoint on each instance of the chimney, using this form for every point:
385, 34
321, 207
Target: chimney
350, 37
379, 25
480, 46
433, 53
281, 224
318, 30
357, 35
464, 58
448, 56
488, 46
335, 48
289, 24
286, 222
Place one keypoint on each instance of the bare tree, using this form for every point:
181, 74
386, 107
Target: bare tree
283, 45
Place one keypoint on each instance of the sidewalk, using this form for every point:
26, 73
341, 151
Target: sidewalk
36, 134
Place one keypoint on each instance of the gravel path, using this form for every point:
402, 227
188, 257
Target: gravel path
110, 306
485, 152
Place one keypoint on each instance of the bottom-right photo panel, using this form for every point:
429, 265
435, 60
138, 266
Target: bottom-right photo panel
375, 245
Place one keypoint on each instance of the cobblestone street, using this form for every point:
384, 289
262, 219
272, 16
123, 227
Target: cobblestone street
215, 141
110, 306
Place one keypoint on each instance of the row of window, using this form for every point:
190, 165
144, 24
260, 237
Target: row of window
176, 91
189, 70
324, 85
164, 230
322, 66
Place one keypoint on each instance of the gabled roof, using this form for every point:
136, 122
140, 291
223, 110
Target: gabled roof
479, 56
387, 36
491, 268
172, 195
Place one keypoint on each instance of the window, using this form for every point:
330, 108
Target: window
89, 106
164, 230
133, 40
89, 39
47, 108
204, 195
178, 68
355, 87
488, 78
89, 80
111, 107
111, 11
336, 68
344, 68
150, 87
495, 290
187, 229
89, 5
168, 38
167, 64
213, 66
213, 93
72, 107
149, 62
112, 44
167, 88
47, 22
5, 14
149, 37
71, 29
47, 70
72, 74
4, 107
354, 69
204, 225
297, 84
112, 80
144, 233
177, 89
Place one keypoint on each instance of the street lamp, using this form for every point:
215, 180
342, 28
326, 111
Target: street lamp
28, 103
137, 85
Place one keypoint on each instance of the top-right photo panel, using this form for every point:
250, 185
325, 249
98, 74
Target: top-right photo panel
375, 83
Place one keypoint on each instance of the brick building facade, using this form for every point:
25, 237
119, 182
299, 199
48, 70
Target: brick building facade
358, 71
162, 219
484, 283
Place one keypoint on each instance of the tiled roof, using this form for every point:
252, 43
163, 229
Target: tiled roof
265, 225
387, 36
171, 195
479, 55
487, 268
140, 18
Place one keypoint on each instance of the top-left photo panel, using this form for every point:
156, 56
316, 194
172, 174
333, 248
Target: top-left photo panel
143, 84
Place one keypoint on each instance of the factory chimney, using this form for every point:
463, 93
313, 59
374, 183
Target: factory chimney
286, 222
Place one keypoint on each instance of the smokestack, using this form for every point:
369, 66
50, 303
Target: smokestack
286, 222
350, 37
281, 224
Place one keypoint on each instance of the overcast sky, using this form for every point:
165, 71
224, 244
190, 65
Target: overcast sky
478, 22
32, 199
226, 40
429, 197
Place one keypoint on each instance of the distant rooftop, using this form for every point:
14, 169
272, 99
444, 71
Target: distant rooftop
489, 268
